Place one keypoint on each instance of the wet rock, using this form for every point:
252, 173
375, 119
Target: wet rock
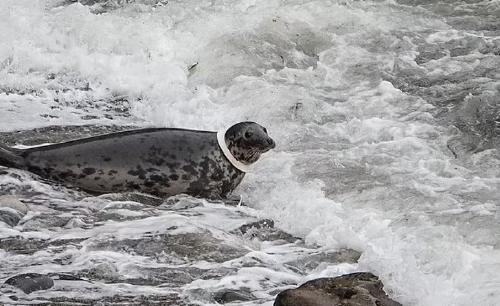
261, 224
189, 246
229, 295
143, 300
104, 271
63, 260
44, 221
29, 246
355, 289
104, 6
64, 277
127, 206
11, 210
312, 261
55, 133
79, 223
9, 217
222, 296
31, 282
180, 202
67, 242
476, 117
109, 216
429, 53
264, 230
107, 272
215, 273
145, 199
149, 276
161, 276
184, 202
22, 245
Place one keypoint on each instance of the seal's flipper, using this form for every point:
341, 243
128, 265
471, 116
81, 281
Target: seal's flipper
10, 157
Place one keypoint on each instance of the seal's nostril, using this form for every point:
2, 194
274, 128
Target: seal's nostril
271, 143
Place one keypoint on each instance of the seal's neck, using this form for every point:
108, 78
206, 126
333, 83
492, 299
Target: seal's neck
244, 156
221, 139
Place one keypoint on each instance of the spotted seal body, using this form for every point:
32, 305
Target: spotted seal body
158, 161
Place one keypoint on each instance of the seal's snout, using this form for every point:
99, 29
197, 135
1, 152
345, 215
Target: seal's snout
271, 143
266, 144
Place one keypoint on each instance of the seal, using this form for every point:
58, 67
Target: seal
158, 161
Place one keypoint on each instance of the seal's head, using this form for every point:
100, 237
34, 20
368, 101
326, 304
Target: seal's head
247, 141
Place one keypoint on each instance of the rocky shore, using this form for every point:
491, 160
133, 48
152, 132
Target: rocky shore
183, 251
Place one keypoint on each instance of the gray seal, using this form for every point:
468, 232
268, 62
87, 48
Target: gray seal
158, 161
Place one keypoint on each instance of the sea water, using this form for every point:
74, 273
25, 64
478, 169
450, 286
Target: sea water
386, 116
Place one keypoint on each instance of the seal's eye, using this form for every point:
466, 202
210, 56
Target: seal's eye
265, 130
248, 134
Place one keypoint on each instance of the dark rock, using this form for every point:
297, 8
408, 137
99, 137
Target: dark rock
28, 246
66, 242
31, 282
264, 230
227, 296
355, 289
44, 221
65, 277
9, 217
22, 245
265, 223
104, 271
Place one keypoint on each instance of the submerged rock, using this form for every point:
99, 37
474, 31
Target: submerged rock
355, 289
30, 282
